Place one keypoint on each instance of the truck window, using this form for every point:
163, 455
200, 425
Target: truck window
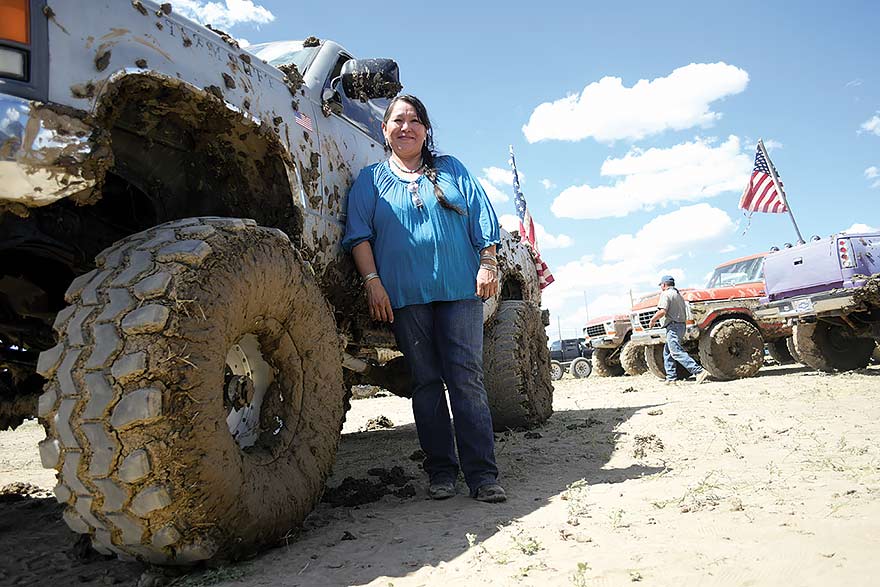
747, 271
555, 345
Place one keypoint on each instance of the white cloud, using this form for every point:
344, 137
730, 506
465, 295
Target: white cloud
859, 227
607, 110
872, 125
772, 145
683, 173
500, 176
634, 262
853, 83
727, 249
496, 196
227, 13
873, 173
243, 43
545, 240
548, 185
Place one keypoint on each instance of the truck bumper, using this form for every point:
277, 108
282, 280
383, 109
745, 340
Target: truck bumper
604, 342
44, 154
804, 307
658, 336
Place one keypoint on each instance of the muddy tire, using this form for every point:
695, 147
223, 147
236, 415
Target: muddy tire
732, 349
183, 333
632, 359
556, 371
789, 345
779, 352
516, 366
828, 347
580, 368
606, 363
654, 361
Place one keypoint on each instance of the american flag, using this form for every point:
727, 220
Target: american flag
527, 228
303, 120
761, 194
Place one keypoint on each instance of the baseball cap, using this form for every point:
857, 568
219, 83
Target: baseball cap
667, 279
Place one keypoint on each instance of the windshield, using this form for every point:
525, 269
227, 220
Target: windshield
284, 52
746, 271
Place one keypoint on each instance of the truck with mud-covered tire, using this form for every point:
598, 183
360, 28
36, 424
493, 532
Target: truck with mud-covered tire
723, 333
613, 352
175, 304
829, 290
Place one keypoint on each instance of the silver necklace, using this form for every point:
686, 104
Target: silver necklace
416, 170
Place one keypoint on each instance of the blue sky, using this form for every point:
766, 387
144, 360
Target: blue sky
634, 124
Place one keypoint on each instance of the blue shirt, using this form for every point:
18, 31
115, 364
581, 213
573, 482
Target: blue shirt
425, 254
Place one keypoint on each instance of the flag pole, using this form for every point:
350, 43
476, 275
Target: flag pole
781, 191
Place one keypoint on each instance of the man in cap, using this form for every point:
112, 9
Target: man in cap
672, 311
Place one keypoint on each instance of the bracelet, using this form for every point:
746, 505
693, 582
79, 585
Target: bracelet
487, 256
370, 276
489, 268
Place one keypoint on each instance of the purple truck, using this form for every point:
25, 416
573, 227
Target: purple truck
829, 289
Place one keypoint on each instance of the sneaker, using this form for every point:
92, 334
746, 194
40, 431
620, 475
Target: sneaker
492, 493
702, 376
441, 490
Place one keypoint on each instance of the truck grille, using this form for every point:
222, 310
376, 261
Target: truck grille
595, 330
645, 317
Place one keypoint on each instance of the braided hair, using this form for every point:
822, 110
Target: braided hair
429, 154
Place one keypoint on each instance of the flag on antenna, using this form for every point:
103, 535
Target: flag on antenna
527, 228
762, 194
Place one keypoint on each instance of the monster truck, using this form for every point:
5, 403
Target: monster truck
613, 353
829, 290
569, 354
171, 210
724, 332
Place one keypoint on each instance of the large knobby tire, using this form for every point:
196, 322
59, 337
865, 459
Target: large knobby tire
157, 352
632, 359
516, 366
829, 347
606, 363
556, 371
732, 349
654, 360
581, 368
779, 352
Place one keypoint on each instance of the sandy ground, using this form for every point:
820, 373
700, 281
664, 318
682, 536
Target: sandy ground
772, 480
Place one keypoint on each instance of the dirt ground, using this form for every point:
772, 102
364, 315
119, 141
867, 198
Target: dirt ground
773, 480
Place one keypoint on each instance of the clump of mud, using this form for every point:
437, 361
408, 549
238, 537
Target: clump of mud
18, 491
311, 42
364, 86
379, 423
352, 492
292, 77
645, 443
869, 294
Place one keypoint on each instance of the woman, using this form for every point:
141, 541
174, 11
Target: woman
423, 233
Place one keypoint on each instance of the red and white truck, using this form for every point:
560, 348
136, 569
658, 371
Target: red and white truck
723, 331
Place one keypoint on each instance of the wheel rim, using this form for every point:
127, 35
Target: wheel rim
556, 371
248, 377
582, 369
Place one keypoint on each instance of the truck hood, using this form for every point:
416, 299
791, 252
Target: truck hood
740, 291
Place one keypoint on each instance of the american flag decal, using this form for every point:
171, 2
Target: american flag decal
303, 120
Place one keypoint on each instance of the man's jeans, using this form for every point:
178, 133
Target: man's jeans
443, 342
672, 352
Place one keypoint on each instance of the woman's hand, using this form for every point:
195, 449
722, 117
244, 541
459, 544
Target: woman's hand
377, 300
487, 283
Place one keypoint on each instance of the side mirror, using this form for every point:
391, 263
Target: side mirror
367, 79
330, 99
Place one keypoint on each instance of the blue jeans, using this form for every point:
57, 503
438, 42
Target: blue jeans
443, 343
673, 352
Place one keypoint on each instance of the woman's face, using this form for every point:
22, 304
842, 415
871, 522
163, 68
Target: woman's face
404, 130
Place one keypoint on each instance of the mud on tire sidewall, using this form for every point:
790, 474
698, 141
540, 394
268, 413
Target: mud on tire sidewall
632, 359
606, 363
732, 349
516, 366
134, 410
654, 361
826, 347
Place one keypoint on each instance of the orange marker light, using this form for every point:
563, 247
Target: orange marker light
14, 21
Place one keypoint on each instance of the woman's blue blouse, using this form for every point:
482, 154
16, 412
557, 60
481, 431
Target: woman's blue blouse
425, 254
